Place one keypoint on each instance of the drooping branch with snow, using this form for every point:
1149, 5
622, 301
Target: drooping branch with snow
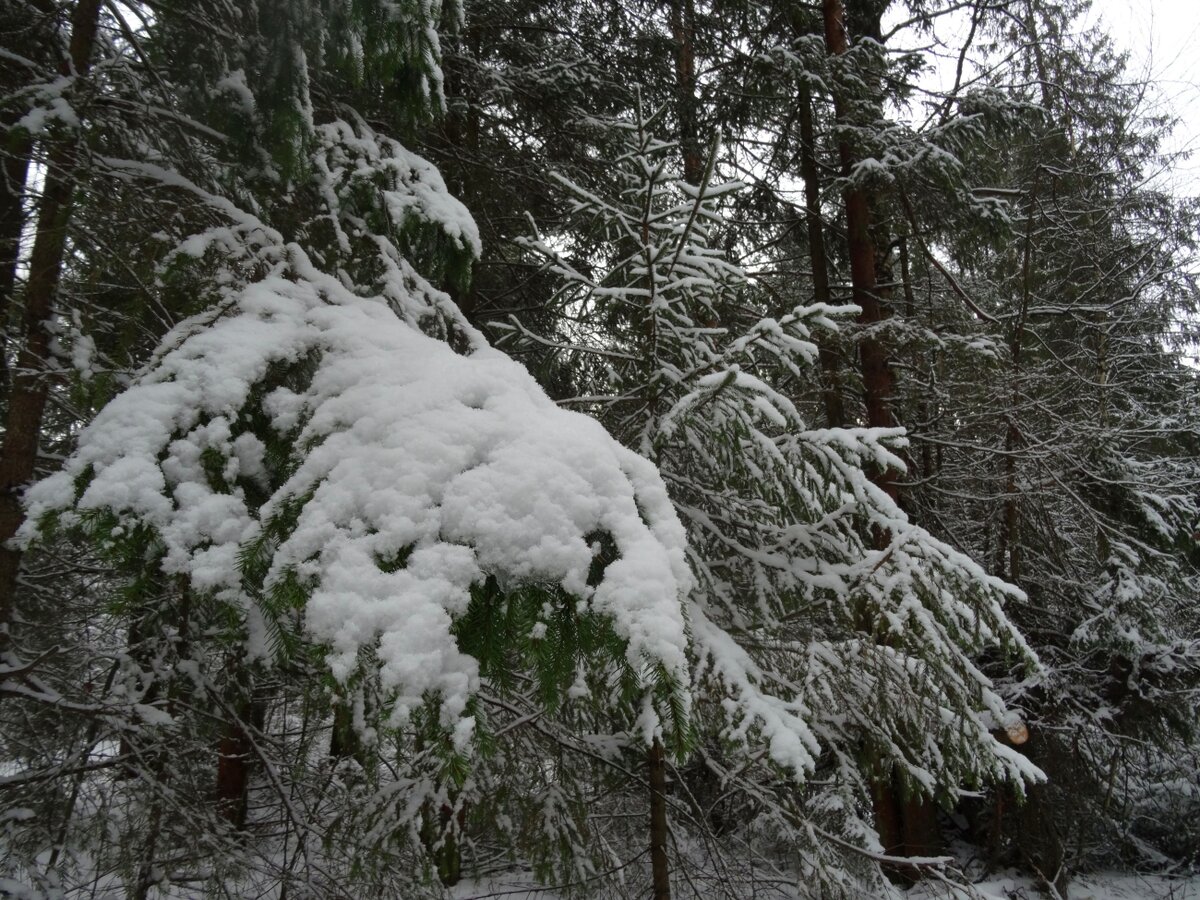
821, 644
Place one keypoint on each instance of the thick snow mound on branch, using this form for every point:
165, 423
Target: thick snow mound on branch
401, 449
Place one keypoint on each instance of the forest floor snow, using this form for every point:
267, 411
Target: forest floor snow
1100, 886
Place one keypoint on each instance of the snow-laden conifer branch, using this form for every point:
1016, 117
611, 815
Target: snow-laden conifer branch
306, 449
818, 640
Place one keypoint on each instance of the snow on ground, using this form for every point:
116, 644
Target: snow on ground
518, 886
1103, 886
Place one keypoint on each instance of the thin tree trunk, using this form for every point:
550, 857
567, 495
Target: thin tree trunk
442, 824
877, 376
1008, 549
918, 815
146, 869
683, 32
441, 828
344, 740
910, 310
245, 714
13, 173
16, 147
233, 768
831, 384
27, 399
656, 760
461, 132
27, 26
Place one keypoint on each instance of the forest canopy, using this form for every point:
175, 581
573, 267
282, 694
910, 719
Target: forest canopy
620, 448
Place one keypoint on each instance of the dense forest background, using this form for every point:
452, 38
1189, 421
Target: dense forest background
691, 448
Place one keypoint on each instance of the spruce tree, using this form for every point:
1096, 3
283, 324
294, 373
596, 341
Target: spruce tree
287, 533
797, 612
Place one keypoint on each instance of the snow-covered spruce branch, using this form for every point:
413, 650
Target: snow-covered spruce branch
303, 449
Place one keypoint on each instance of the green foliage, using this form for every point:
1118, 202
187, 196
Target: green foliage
1040, 293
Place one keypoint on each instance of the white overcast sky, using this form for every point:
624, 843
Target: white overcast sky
1161, 37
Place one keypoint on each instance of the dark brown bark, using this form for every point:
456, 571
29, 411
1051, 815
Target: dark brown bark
13, 172
1009, 542
683, 32
135, 650
15, 147
33, 35
876, 374
1038, 830
440, 832
656, 763
831, 383
995, 832
922, 835
27, 398
907, 823
1046, 82
344, 741
245, 715
440, 829
233, 771
683, 15
145, 880
904, 822
461, 135
888, 822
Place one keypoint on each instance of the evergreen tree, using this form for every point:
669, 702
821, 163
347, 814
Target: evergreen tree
1086, 479
324, 596
260, 459
797, 611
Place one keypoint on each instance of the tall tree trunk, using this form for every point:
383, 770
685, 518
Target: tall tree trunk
683, 32
924, 416
656, 761
831, 384
683, 15
27, 398
28, 26
877, 376
13, 172
245, 713
1008, 548
460, 129
906, 822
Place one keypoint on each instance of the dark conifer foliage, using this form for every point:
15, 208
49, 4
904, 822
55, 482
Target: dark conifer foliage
623, 448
